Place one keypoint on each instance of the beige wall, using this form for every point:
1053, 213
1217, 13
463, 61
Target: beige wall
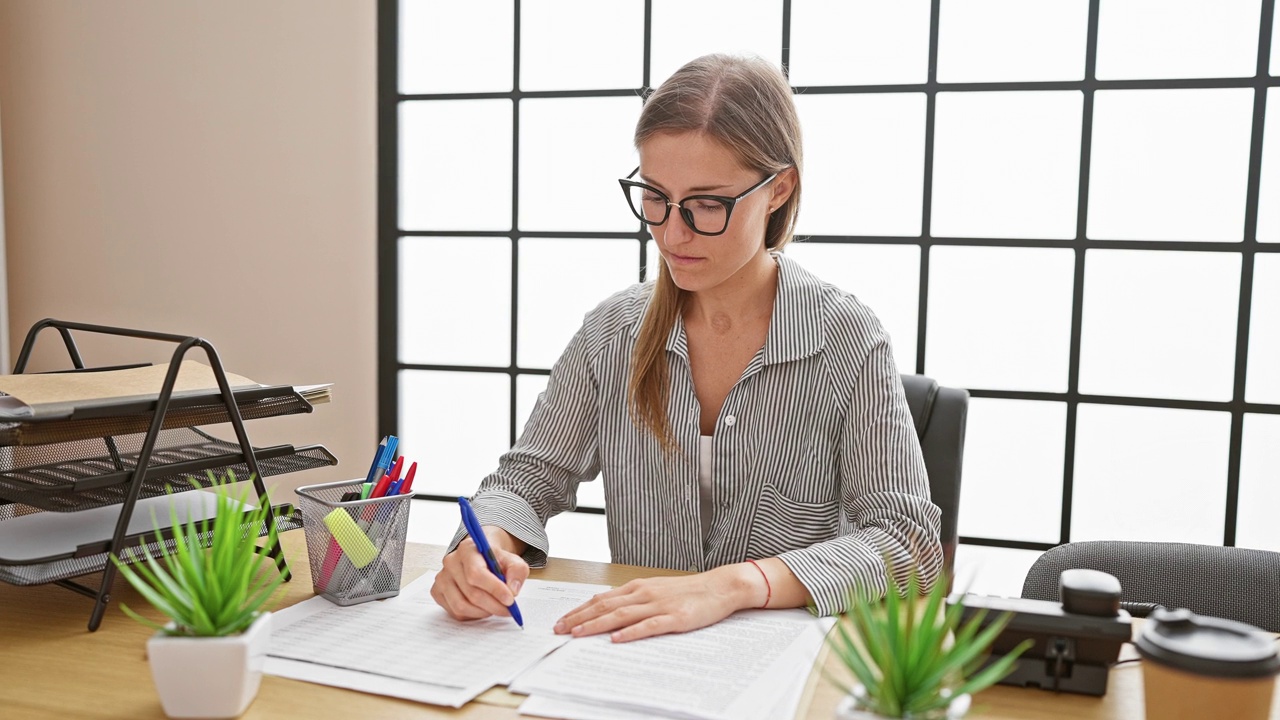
203, 168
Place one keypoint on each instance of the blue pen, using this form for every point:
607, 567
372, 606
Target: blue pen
472, 523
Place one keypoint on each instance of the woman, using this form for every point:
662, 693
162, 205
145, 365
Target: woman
747, 420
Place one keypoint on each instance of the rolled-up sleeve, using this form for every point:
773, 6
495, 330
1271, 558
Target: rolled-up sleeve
884, 498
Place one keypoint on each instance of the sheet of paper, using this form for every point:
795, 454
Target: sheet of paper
53, 534
739, 668
408, 647
540, 706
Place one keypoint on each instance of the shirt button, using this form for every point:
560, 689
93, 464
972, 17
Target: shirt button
693, 568
730, 421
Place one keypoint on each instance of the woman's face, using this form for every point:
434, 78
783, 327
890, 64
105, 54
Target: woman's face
691, 163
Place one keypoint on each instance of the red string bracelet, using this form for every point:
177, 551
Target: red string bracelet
768, 589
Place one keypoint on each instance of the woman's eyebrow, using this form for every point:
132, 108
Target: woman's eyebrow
700, 189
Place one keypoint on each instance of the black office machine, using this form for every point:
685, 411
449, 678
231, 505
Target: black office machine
1076, 641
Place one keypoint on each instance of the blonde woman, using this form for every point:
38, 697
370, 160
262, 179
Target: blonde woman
746, 419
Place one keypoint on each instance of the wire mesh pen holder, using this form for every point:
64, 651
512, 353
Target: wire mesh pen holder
356, 548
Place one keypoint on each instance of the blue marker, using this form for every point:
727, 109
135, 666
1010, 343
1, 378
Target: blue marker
472, 523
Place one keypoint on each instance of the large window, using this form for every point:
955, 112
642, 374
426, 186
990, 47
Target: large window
1069, 207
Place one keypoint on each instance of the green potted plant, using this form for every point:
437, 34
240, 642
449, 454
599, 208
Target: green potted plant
213, 586
911, 656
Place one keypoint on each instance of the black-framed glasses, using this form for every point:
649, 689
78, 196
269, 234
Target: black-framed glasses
704, 214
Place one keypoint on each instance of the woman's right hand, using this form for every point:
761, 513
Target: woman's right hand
466, 589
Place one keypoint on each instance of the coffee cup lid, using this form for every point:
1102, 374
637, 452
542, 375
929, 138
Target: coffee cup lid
1207, 645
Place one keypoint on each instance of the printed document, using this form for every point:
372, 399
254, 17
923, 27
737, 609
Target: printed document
743, 667
408, 647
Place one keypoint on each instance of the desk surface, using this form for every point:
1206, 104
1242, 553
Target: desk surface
55, 668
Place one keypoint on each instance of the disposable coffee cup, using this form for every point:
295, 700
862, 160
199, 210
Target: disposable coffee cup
1196, 666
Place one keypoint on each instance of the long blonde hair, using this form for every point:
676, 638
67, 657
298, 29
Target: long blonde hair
746, 105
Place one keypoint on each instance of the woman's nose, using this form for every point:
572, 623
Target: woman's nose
678, 229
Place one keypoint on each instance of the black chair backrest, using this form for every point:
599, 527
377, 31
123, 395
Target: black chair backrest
1234, 583
939, 413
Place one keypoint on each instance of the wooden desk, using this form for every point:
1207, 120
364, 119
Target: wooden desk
54, 668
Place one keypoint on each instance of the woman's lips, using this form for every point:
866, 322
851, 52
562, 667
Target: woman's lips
683, 260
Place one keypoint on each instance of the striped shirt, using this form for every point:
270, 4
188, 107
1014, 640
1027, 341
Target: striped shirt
815, 456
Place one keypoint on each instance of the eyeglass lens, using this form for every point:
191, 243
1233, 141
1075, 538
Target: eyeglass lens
703, 214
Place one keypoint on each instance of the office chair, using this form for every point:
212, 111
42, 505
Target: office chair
1229, 582
939, 413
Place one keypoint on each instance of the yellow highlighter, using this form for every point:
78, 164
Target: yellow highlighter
350, 538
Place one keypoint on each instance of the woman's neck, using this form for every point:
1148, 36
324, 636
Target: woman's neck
745, 297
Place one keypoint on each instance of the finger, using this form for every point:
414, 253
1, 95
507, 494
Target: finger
475, 573
448, 596
514, 568
648, 627
485, 599
614, 620
589, 610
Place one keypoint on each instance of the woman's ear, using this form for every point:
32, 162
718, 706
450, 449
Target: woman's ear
783, 186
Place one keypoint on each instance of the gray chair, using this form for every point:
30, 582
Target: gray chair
1228, 582
939, 413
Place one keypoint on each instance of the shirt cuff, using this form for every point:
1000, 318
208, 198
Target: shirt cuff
513, 514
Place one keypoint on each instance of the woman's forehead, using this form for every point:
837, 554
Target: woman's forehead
689, 160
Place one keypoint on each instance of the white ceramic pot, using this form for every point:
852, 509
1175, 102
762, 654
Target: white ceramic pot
851, 709
206, 677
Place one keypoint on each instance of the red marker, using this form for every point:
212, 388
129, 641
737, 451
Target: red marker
381, 488
395, 469
408, 479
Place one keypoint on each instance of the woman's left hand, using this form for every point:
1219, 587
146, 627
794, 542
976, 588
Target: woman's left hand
656, 606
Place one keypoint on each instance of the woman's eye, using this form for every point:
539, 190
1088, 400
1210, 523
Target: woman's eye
653, 199
707, 206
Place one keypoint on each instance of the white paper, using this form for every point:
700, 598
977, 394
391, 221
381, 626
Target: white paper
560, 709
51, 534
743, 667
408, 647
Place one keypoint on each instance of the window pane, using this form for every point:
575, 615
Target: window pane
1145, 333
859, 42
864, 164
528, 388
1007, 164
438, 276
556, 37
1013, 449
993, 571
459, 421
970, 343
1256, 525
1177, 38
572, 150
1275, 46
1012, 40
1169, 164
432, 522
560, 282
578, 536
455, 165
884, 277
1269, 188
683, 31
1150, 474
1262, 382
653, 258
448, 47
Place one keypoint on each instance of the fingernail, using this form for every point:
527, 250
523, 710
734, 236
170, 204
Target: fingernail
515, 587
559, 628
615, 637
577, 631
